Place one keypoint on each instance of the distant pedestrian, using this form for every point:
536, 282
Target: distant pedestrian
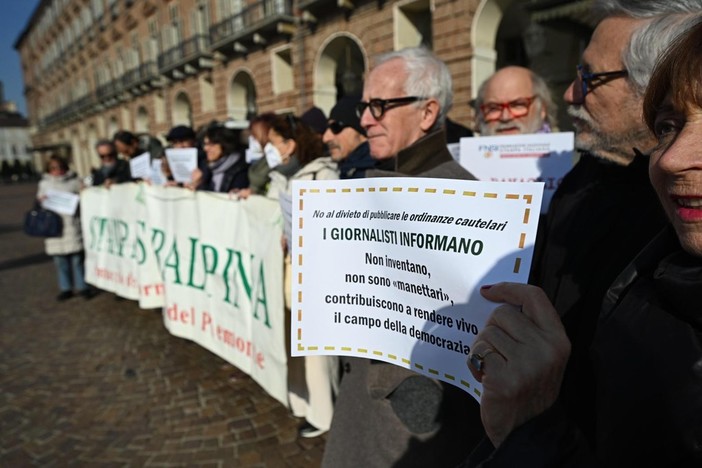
67, 250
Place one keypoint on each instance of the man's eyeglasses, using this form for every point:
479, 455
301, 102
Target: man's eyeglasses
378, 107
337, 126
587, 81
108, 155
518, 108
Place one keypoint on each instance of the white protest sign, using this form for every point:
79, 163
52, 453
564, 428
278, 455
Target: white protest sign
390, 269
538, 157
182, 161
140, 166
61, 202
285, 200
157, 177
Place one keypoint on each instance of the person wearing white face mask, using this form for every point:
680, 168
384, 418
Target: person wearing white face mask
259, 166
272, 155
295, 151
255, 151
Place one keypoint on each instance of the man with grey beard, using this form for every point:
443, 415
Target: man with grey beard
605, 210
514, 100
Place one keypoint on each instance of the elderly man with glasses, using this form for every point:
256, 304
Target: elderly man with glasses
386, 415
603, 213
405, 101
514, 100
112, 170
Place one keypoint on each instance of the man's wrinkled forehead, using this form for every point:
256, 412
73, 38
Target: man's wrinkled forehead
386, 80
508, 84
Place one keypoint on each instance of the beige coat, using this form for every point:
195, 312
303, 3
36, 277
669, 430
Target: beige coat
72, 239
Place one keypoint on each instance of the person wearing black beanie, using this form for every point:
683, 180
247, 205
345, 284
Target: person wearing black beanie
346, 140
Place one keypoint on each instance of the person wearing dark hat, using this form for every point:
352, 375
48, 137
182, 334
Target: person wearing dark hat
182, 136
346, 140
315, 119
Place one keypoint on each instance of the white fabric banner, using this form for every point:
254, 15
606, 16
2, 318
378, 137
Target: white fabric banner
390, 269
118, 257
219, 263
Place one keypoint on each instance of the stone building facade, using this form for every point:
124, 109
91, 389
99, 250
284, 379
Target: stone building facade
92, 67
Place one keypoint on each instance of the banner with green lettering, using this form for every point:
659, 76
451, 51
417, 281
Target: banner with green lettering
219, 263
118, 257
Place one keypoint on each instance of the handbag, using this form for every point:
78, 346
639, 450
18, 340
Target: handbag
39, 222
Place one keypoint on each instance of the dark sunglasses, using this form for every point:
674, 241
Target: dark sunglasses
337, 126
378, 107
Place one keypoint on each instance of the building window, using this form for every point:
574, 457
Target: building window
282, 70
413, 24
207, 93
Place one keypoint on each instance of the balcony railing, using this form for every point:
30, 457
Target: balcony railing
185, 52
72, 111
140, 75
251, 19
108, 91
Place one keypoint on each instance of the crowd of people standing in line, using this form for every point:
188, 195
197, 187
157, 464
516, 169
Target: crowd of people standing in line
597, 361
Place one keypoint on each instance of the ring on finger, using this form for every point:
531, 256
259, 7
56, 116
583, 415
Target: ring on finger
477, 360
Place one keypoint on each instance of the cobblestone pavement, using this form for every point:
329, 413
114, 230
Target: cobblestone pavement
102, 383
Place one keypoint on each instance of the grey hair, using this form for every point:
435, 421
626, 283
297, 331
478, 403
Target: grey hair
649, 42
540, 89
642, 9
427, 76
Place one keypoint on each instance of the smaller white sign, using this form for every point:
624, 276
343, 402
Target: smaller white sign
285, 200
157, 177
455, 150
61, 202
182, 161
538, 157
140, 166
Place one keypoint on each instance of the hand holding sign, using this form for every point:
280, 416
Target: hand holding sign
390, 269
524, 351
60, 202
182, 161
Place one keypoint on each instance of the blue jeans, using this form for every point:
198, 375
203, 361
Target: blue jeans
70, 267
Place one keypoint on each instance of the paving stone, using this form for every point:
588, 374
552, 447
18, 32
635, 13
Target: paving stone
103, 383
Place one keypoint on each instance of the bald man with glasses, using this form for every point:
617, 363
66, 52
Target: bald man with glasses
513, 101
386, 415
